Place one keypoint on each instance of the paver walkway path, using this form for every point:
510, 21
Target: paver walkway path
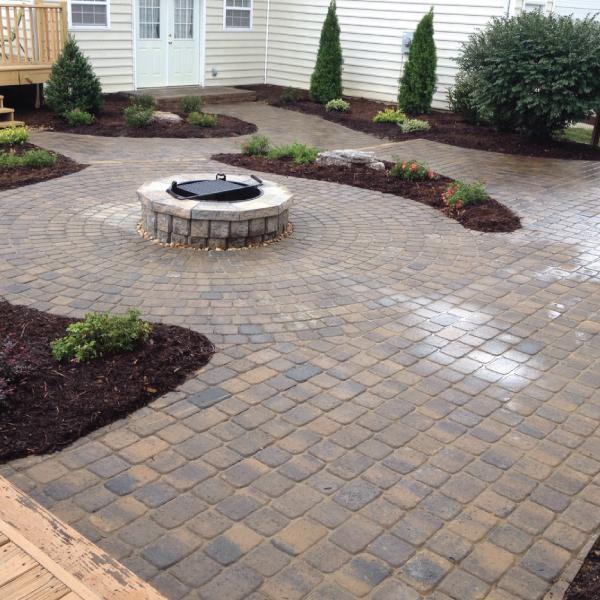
399, 408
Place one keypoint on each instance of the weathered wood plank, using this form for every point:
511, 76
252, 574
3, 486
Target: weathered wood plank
13, 563
36, 584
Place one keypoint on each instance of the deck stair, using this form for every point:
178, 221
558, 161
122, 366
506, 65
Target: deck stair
7, 116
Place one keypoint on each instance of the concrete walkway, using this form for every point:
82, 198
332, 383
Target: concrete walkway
400, 408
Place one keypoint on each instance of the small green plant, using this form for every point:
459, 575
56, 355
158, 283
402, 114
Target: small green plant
461, 98
137, 116
191, 104
100, 334
144, 101
412, 170
78, 117
202, 119
460, 194
256, 145
38, 158
389, 115
413, 126
13, 136
289, 95
10, 161
301, 154
337, 105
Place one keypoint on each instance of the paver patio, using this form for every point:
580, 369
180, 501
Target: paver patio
394, 412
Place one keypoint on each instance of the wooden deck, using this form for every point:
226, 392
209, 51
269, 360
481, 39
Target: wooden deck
41, 558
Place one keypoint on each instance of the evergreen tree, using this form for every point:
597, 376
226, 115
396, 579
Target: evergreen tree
72, 82
326, 80
418, 80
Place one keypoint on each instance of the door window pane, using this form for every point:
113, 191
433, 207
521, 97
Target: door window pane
149, 19
184, 19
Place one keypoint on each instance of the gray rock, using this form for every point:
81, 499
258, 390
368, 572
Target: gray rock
166, 117
346, 158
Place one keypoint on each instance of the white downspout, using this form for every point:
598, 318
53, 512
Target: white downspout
267, 40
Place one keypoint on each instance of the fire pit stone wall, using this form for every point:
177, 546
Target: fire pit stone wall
213, 224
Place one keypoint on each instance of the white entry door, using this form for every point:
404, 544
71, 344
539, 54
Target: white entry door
168, 48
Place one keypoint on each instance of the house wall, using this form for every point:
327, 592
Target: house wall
371, 40
238, 57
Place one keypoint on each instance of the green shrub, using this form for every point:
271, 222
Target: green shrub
412, 170
13, 136
137, 116
38, 158
100, 334
10, 161
461, 99
326, 80
389, 115
78, 117
534, 73
191, 104
202, 119
301, 154
256, 145
417, 83
338, 105
72, 82
459, 194
143, 101
413, 126
289, 95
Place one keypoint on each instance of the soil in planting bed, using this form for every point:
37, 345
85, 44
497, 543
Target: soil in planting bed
490, 217
14, 178
57, 403
110, 122
445, 127
586, 585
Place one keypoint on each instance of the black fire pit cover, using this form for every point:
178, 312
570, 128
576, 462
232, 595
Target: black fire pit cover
216, 189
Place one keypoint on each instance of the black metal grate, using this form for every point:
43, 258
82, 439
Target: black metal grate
216, 189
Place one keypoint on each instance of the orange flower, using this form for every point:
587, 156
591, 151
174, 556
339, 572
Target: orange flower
413, 167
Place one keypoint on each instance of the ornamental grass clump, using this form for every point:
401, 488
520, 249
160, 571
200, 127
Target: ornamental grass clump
301, 154
138, 116
100, 334
412, 170
389, 115
143, 101
201, 119
256, 145
337, 105
191, 104
459, 195
36, 158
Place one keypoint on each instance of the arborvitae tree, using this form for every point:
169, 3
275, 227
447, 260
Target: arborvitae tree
326, 80
418, 80
72, 83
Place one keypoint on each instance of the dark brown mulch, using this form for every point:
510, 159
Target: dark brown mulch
490, 217
13, 178
586, 585
57, 403
109, 122
446, 127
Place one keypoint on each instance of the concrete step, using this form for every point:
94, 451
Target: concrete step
7, 124
211, 94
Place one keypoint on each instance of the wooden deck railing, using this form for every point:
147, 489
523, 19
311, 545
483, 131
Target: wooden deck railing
31, 34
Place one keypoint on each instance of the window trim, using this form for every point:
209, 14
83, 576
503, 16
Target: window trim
250, 9
75, 27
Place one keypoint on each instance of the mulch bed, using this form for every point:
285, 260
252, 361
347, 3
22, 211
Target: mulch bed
57, 403
109, 122
489, 217
13, 178
586, 585
446, 127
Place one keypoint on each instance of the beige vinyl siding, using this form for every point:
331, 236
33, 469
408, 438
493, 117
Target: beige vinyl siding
111, 50
371, 40
238, 57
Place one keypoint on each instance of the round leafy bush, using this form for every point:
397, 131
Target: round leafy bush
99, 334
389, 115
256, 145
13, 136
289, 95
413, 126
144, 101
191, 104
337, 105
534, 73
137, 116
460, 194
202, 119
412, 170
78, 117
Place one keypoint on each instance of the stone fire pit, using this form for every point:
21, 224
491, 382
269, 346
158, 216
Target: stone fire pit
213, 224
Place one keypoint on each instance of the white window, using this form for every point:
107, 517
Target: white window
238, 14
89, 13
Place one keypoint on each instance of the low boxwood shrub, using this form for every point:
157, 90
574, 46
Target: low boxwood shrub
289, 95
78, 117
459, 194
337, 105
301, 154
413, 126
412, 170
202, 119
256, 145
13, 136
137, 116
100, 334
191, 104
144, 101
389, 115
